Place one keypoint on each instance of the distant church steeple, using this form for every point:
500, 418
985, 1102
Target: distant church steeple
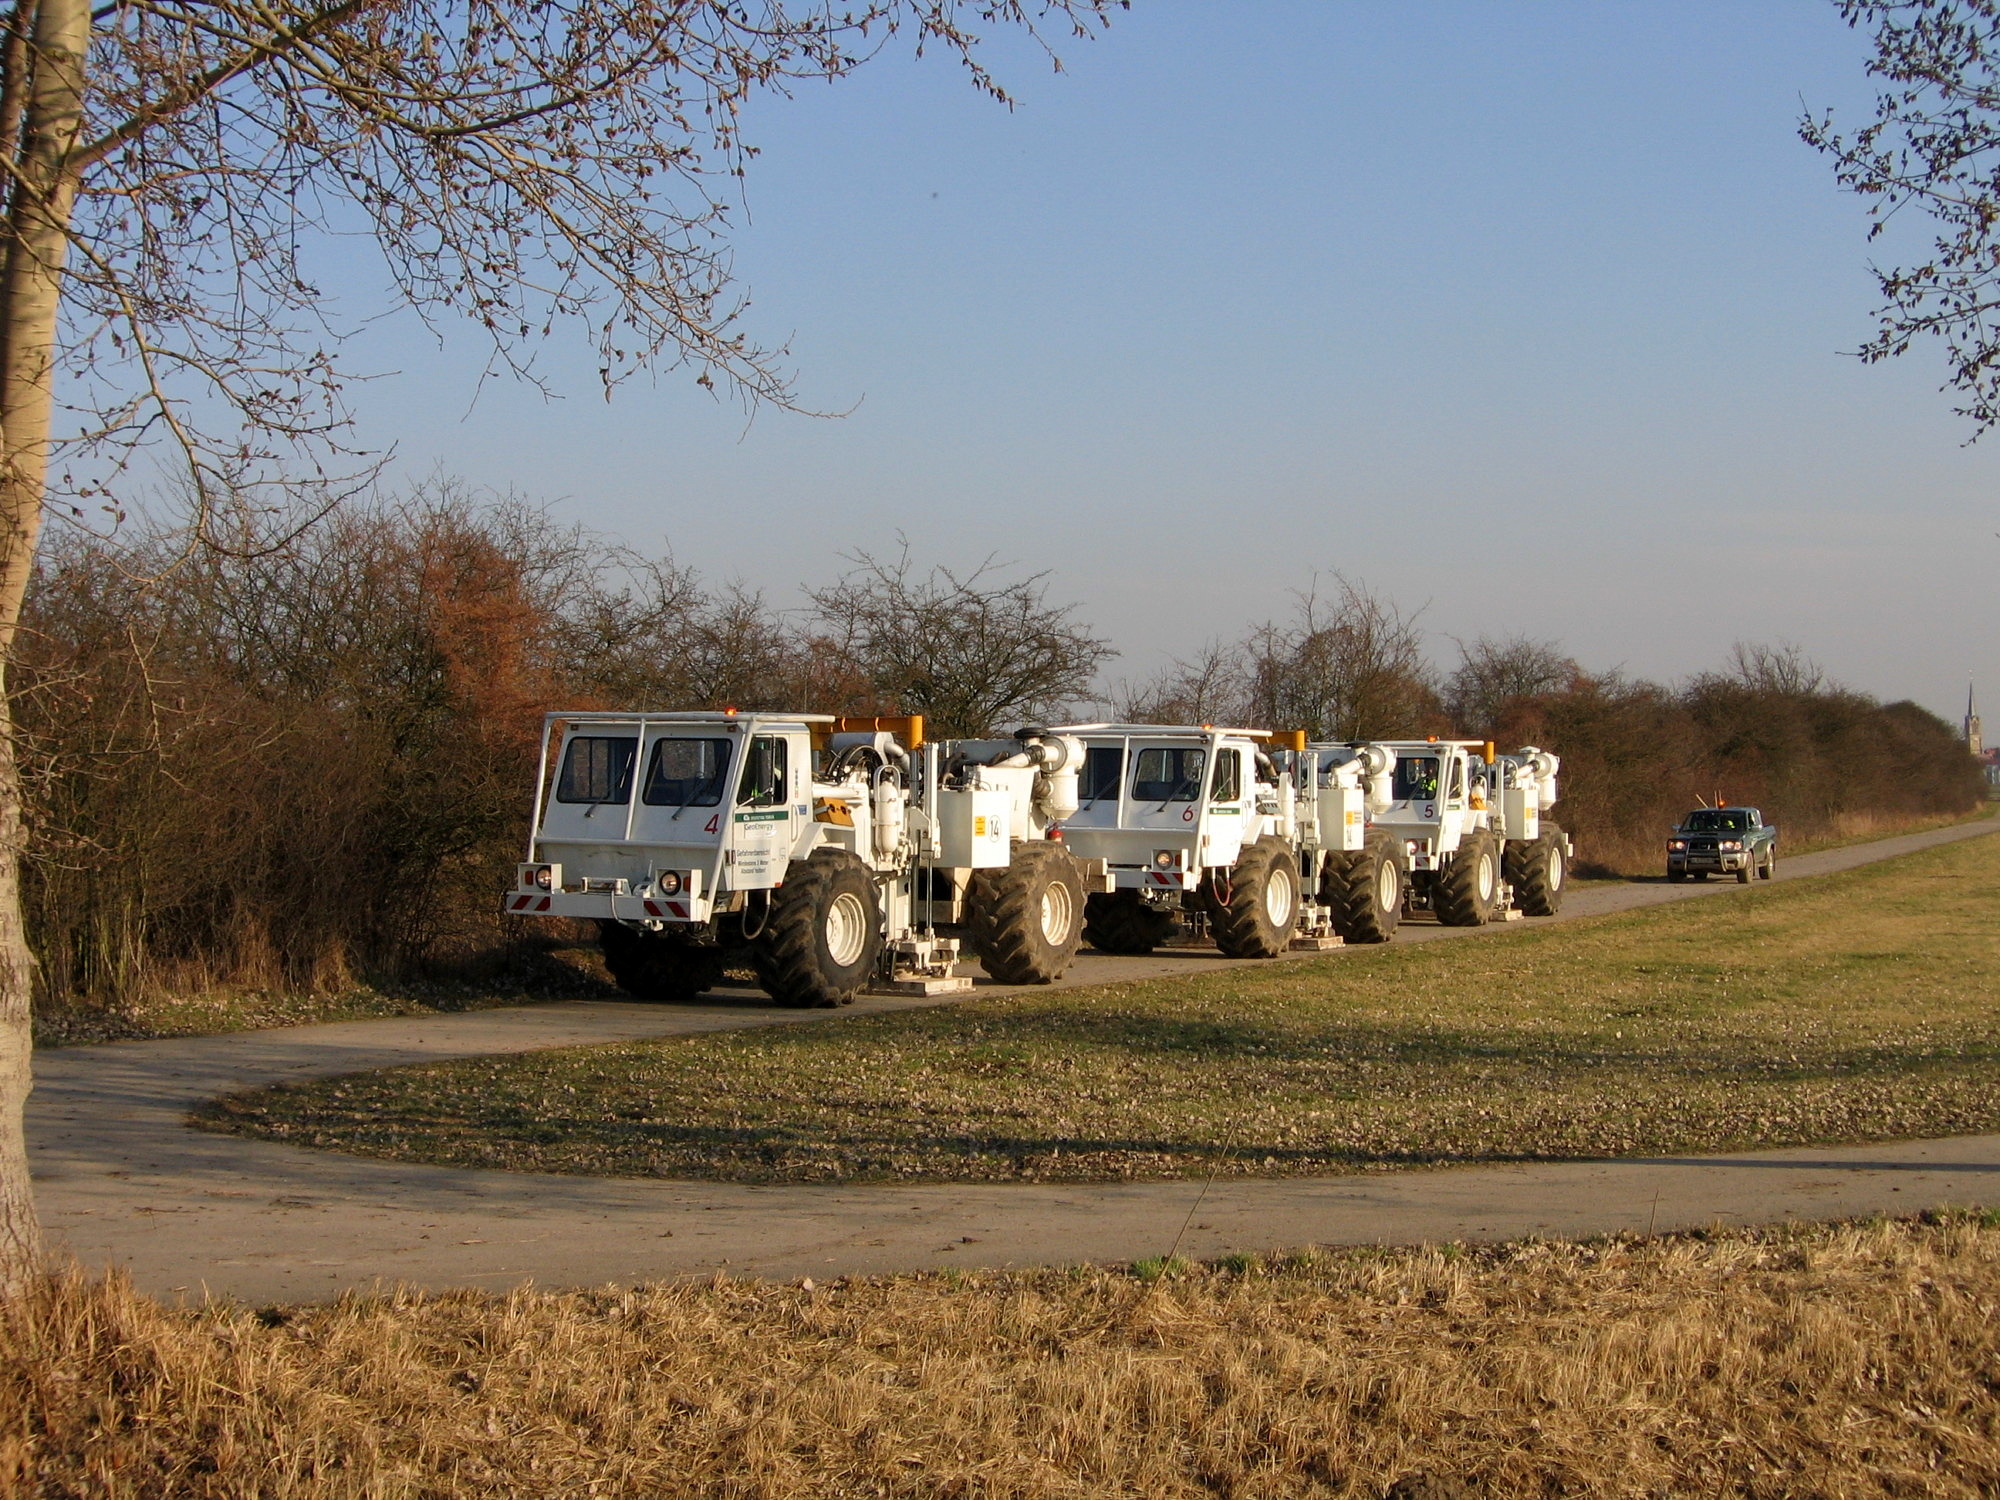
1972, 740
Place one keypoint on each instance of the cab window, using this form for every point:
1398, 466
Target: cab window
686, 773
597, 768
1416, 779
1103, 769
1169, 775
765, 773
1228, 777
1457, 781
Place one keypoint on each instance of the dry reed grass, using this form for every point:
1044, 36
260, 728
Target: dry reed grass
1839, 1362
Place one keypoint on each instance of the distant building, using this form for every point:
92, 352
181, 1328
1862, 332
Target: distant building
1989, 760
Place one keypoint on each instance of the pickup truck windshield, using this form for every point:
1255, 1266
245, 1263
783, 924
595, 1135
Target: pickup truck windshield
1711, 821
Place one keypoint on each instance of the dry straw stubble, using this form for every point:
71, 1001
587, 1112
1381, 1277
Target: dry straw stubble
1853, 1361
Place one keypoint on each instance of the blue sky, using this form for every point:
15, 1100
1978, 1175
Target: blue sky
1534, 316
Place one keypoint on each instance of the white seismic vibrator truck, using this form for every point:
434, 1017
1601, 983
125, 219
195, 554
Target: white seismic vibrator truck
826, 854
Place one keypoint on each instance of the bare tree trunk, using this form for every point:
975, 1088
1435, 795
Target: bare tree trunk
43, 190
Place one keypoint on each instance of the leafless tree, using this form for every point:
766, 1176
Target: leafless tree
967, 650
1350, 669
1492, 673
172, 167
1783, 669
1210, 687
1934, 145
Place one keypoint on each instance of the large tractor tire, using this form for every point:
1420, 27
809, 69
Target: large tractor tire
1121, 922
1538, 869
656, 965
1026, 921
821, 941
1365, 889
1465, 892
1262, 910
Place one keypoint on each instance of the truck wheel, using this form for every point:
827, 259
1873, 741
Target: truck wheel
1538, 869
1365, 890
656, 966
1769, 869
1262, 911
1120, 922
1026, 921
820, 943
1467, 888
1743, 871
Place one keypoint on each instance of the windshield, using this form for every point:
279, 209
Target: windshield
1711, 820
1416, 778
1169, 775
597, 768
1103, 769
686, 773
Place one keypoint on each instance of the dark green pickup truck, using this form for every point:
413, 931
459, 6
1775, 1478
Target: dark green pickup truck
1723, 841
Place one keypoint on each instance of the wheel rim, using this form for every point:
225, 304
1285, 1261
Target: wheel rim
1482, 877
846, 929
1558, 869
1057, 914
1388, 888
1280, 895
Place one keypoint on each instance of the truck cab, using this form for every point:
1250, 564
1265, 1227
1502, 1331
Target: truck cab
1161, 804
1438, 793
666, 817
1192, 824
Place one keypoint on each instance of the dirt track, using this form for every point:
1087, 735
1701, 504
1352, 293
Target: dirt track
121, 1180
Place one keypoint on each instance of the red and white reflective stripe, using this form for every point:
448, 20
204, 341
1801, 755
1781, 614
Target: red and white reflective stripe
653, 910
543, 904
678, 909
1163, 877
519, 903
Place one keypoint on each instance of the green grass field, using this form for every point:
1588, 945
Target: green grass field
1851, 1007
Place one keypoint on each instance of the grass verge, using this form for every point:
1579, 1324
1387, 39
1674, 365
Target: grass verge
524, 975
1858, 1006
1842, 1362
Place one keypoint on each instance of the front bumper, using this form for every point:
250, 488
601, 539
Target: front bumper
1721, 863
607, 906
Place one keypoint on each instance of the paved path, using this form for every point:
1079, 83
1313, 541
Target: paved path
121, 1180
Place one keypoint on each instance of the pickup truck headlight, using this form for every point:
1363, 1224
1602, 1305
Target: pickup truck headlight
1677, 845
1731, 846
